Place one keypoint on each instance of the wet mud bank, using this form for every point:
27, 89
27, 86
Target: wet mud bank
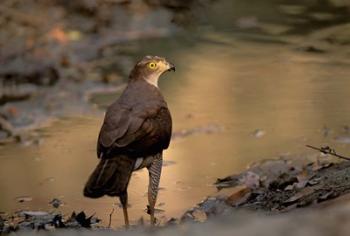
265, 191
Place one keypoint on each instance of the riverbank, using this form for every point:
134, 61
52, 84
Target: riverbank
272, 191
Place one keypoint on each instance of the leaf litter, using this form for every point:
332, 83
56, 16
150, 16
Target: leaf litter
278, 186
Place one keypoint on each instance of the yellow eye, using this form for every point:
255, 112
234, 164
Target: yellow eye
152, 65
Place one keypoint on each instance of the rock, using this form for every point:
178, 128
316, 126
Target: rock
250, 179
56, 203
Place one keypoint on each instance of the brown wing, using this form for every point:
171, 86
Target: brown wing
140, 130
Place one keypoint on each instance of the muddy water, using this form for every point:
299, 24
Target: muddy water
238, 85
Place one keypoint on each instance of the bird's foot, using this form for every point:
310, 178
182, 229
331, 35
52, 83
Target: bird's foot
153, 218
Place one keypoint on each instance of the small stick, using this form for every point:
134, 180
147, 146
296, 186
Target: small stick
330, 151
110, 218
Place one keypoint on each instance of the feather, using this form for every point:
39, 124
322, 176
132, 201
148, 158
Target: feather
137, 124
111, 177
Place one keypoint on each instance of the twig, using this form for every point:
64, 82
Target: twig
110, 218
330, 151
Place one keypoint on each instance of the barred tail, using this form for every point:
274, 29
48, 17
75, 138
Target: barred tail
111, 177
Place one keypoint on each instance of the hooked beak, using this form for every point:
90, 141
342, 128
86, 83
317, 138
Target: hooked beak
171, 67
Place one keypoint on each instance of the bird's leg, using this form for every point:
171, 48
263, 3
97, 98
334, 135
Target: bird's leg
154, 170
124, 201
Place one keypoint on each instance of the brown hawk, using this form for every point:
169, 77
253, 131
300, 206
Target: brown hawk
135, 131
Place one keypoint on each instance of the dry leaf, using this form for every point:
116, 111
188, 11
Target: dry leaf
299, 195
239, 196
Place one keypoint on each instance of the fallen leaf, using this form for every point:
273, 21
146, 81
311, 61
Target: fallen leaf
289, 187
199, 215
314, 181
327, 195
318, 165
299, 195
239, 196
83, 220
303, 179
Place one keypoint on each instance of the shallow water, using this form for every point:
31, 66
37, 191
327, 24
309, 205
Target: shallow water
221, 79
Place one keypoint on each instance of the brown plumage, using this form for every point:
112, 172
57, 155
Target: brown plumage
111, 177
136, 129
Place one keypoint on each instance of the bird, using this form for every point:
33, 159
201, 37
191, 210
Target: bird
136, 129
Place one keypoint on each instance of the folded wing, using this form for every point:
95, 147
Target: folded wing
140, 130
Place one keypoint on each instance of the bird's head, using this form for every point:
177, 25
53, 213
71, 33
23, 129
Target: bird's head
150, 68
